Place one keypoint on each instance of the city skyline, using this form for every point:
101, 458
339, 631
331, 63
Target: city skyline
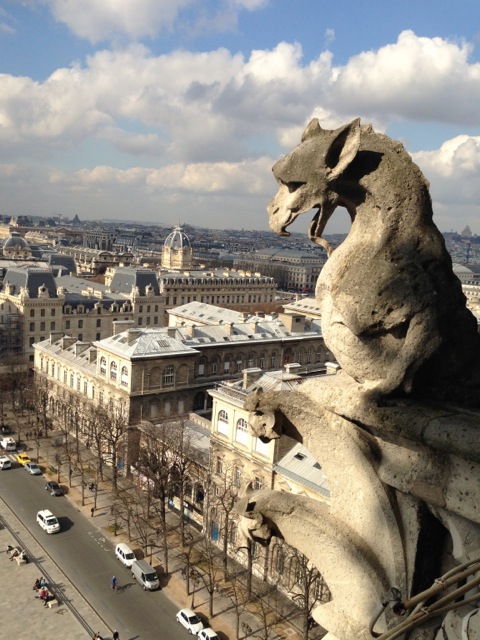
175, 112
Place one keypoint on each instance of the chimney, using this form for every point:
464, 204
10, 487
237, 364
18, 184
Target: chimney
67, 341
121, 325
132, 335
92, 354
172, 332
253, 326
332, 368
292, 367
229, 327
191, 330
250, 376
55, 335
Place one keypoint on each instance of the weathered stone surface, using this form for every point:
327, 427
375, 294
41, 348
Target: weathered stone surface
393, 312
396, 431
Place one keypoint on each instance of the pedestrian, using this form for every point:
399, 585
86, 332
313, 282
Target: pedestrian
92, 511
114, 583
116, 635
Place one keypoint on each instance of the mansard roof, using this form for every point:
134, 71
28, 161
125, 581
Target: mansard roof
30, 279
125, 278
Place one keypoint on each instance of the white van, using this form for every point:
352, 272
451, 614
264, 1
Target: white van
125, 554
5, 463
146, 575
8, 444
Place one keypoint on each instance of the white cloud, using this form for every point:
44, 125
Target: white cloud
413, 78
453, 171
97, 20
100, 20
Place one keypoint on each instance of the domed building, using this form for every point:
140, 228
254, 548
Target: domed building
177, 251
15, 246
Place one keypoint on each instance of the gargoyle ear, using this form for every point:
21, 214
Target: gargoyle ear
312, 129
343, 148
253, 399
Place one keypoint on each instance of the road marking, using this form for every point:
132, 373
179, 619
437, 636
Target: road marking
100, 540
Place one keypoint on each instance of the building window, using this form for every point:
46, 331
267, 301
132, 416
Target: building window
80, 336
42, 313
113, 370
218, 466
32, 326
31, 341
257, 483
103, 365
262, 448
222, 422
85, 388
71, 380
53, 370
42, 326
140, 309
237, 476
52, 326
78, 383
241, 431
52, 312
65, 376
80, 324
99, 322
201, 366
32, 313
214, 367
67, 324
273, 360
261, 361
124, 376
226, 366
98, 336
168, 376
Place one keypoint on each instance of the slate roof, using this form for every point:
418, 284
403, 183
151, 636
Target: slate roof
208, 314
125, 278
300, 466
30, 278
145, 343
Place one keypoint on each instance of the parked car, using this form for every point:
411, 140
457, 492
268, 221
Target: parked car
125, 554
48, 521
208, 634
190, 621
23, 458
33, 468
5, 463
54, 488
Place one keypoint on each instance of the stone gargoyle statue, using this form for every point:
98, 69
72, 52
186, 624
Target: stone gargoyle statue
393, 312
396, 431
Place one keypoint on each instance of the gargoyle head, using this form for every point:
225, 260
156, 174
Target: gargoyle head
306, 174
263, 422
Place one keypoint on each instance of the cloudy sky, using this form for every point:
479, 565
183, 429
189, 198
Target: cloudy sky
175, 110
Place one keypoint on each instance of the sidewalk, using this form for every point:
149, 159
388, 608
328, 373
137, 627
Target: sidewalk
224, 620
24, 616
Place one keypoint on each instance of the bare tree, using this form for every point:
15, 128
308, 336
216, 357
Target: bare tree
155, 463
223, 496
307, 587
113, 422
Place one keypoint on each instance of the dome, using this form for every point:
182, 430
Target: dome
177, 240
15, 241
177, 251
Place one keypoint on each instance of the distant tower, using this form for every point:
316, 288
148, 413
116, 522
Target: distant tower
177, 251
466, 233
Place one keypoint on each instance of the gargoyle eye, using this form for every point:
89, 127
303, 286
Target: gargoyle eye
258, 413
294, 186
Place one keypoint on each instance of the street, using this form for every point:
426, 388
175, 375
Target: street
87, 559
